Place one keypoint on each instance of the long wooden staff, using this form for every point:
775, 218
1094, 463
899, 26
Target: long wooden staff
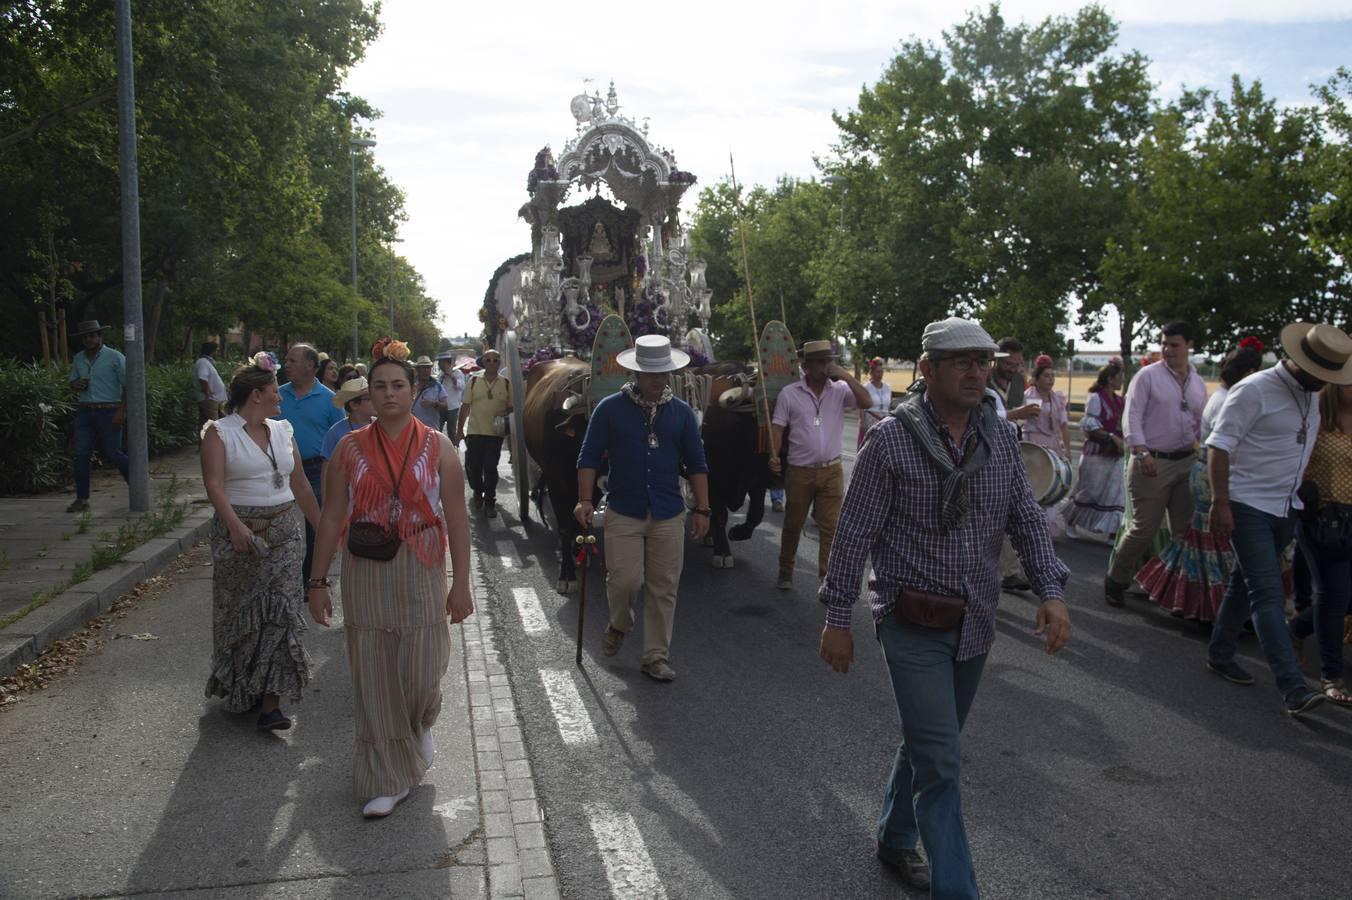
751, 303
586, 548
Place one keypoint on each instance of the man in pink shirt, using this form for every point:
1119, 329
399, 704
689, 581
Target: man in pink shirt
1163, 424
813, 411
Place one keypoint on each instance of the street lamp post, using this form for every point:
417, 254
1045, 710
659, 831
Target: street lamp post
354, 145
138, 476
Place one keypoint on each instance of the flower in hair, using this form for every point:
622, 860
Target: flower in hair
265, 361
1252, 343
378, 348
1042, 360
397, 351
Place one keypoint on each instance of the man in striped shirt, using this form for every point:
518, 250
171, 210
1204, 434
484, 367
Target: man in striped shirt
934, 490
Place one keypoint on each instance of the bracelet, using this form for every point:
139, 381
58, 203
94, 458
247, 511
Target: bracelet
702, 512
319, 583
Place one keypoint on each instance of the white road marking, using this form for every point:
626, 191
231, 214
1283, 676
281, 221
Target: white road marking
628, 866
532, 614
575, 726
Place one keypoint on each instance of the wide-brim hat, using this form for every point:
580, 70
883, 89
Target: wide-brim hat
817, 350
422, 361
653, 353
350, 390
446, 354
88, 326
490, 352
1323, 351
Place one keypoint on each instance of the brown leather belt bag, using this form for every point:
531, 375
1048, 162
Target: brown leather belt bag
921, 609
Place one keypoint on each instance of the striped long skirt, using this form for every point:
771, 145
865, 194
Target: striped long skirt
398, 649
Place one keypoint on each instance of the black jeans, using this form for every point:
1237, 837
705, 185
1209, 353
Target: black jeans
481, 464
312, 475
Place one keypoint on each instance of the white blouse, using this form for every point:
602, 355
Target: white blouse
248, 469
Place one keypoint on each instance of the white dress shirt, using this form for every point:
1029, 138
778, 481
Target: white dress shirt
1260, 425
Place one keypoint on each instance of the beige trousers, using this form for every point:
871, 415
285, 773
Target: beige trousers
820, 490
1151, 498
644, 553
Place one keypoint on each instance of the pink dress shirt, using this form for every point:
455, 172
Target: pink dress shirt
1161, 413
798, 408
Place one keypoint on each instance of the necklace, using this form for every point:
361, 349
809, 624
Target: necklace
817, 404
277, 480
1303, 434
1183, 387
396, 505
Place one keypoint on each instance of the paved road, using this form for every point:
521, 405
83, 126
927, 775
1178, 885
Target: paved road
1119, 768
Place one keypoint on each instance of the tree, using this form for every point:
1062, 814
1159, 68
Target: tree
990, 173
1221, 221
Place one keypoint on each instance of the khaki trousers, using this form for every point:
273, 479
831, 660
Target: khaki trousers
1151, 498
644, 553
820, 490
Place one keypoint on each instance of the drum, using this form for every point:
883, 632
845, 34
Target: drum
1048, 473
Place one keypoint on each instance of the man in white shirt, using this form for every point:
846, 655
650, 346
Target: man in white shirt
453, 381
210, 387
1258, 452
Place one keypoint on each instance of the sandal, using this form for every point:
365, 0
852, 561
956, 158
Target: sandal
1335, 691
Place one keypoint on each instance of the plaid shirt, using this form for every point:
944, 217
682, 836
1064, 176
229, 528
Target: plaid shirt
891, 514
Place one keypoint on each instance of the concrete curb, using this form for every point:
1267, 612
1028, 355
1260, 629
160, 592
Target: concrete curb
71, 610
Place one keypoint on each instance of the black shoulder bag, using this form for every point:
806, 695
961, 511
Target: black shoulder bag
371, 540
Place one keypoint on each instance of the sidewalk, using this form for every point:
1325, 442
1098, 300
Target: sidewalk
58, 569
120, 779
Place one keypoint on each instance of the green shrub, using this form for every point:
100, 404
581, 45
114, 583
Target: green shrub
37, 421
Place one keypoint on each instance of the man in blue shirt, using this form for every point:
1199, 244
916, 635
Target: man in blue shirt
308, 406
648, 436
99, 378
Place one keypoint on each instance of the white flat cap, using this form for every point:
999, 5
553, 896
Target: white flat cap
956, 334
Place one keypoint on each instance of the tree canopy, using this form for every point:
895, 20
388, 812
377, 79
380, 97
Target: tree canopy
245, 177
1015, 173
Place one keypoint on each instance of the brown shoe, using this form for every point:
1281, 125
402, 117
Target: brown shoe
1114, 594
611, 639
659, 670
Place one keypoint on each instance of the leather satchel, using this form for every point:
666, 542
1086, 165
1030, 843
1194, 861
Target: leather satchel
921, 609
371, 540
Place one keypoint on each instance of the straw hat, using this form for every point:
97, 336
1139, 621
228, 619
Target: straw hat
653, 353
816, 350
1323, 351
422, 361
351, 390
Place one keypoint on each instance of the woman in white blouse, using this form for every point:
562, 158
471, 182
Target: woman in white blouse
880, 392
255, 481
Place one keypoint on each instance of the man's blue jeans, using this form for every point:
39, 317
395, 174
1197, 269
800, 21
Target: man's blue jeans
934, 692
95, 428
1331, 586
1256, 592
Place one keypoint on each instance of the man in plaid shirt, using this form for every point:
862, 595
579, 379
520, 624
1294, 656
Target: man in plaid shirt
934, 491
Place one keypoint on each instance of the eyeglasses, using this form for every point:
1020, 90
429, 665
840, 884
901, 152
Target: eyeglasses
968, 363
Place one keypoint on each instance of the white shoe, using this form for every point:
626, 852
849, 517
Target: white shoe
383, 806
427, 747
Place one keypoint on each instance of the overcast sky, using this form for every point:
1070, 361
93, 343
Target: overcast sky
470, 92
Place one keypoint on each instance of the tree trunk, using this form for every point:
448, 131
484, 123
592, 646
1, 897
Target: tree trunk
1126, 327
152, 326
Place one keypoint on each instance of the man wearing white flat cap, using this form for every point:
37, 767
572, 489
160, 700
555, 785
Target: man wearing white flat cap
1258, 452
934, 489
648, 436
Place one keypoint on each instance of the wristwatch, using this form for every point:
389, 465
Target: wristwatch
1139, 454
318, 583
702, 512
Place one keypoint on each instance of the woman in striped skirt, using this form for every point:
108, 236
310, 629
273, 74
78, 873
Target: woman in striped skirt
406, 500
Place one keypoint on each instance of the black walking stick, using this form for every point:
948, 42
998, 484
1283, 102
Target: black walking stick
584, 543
